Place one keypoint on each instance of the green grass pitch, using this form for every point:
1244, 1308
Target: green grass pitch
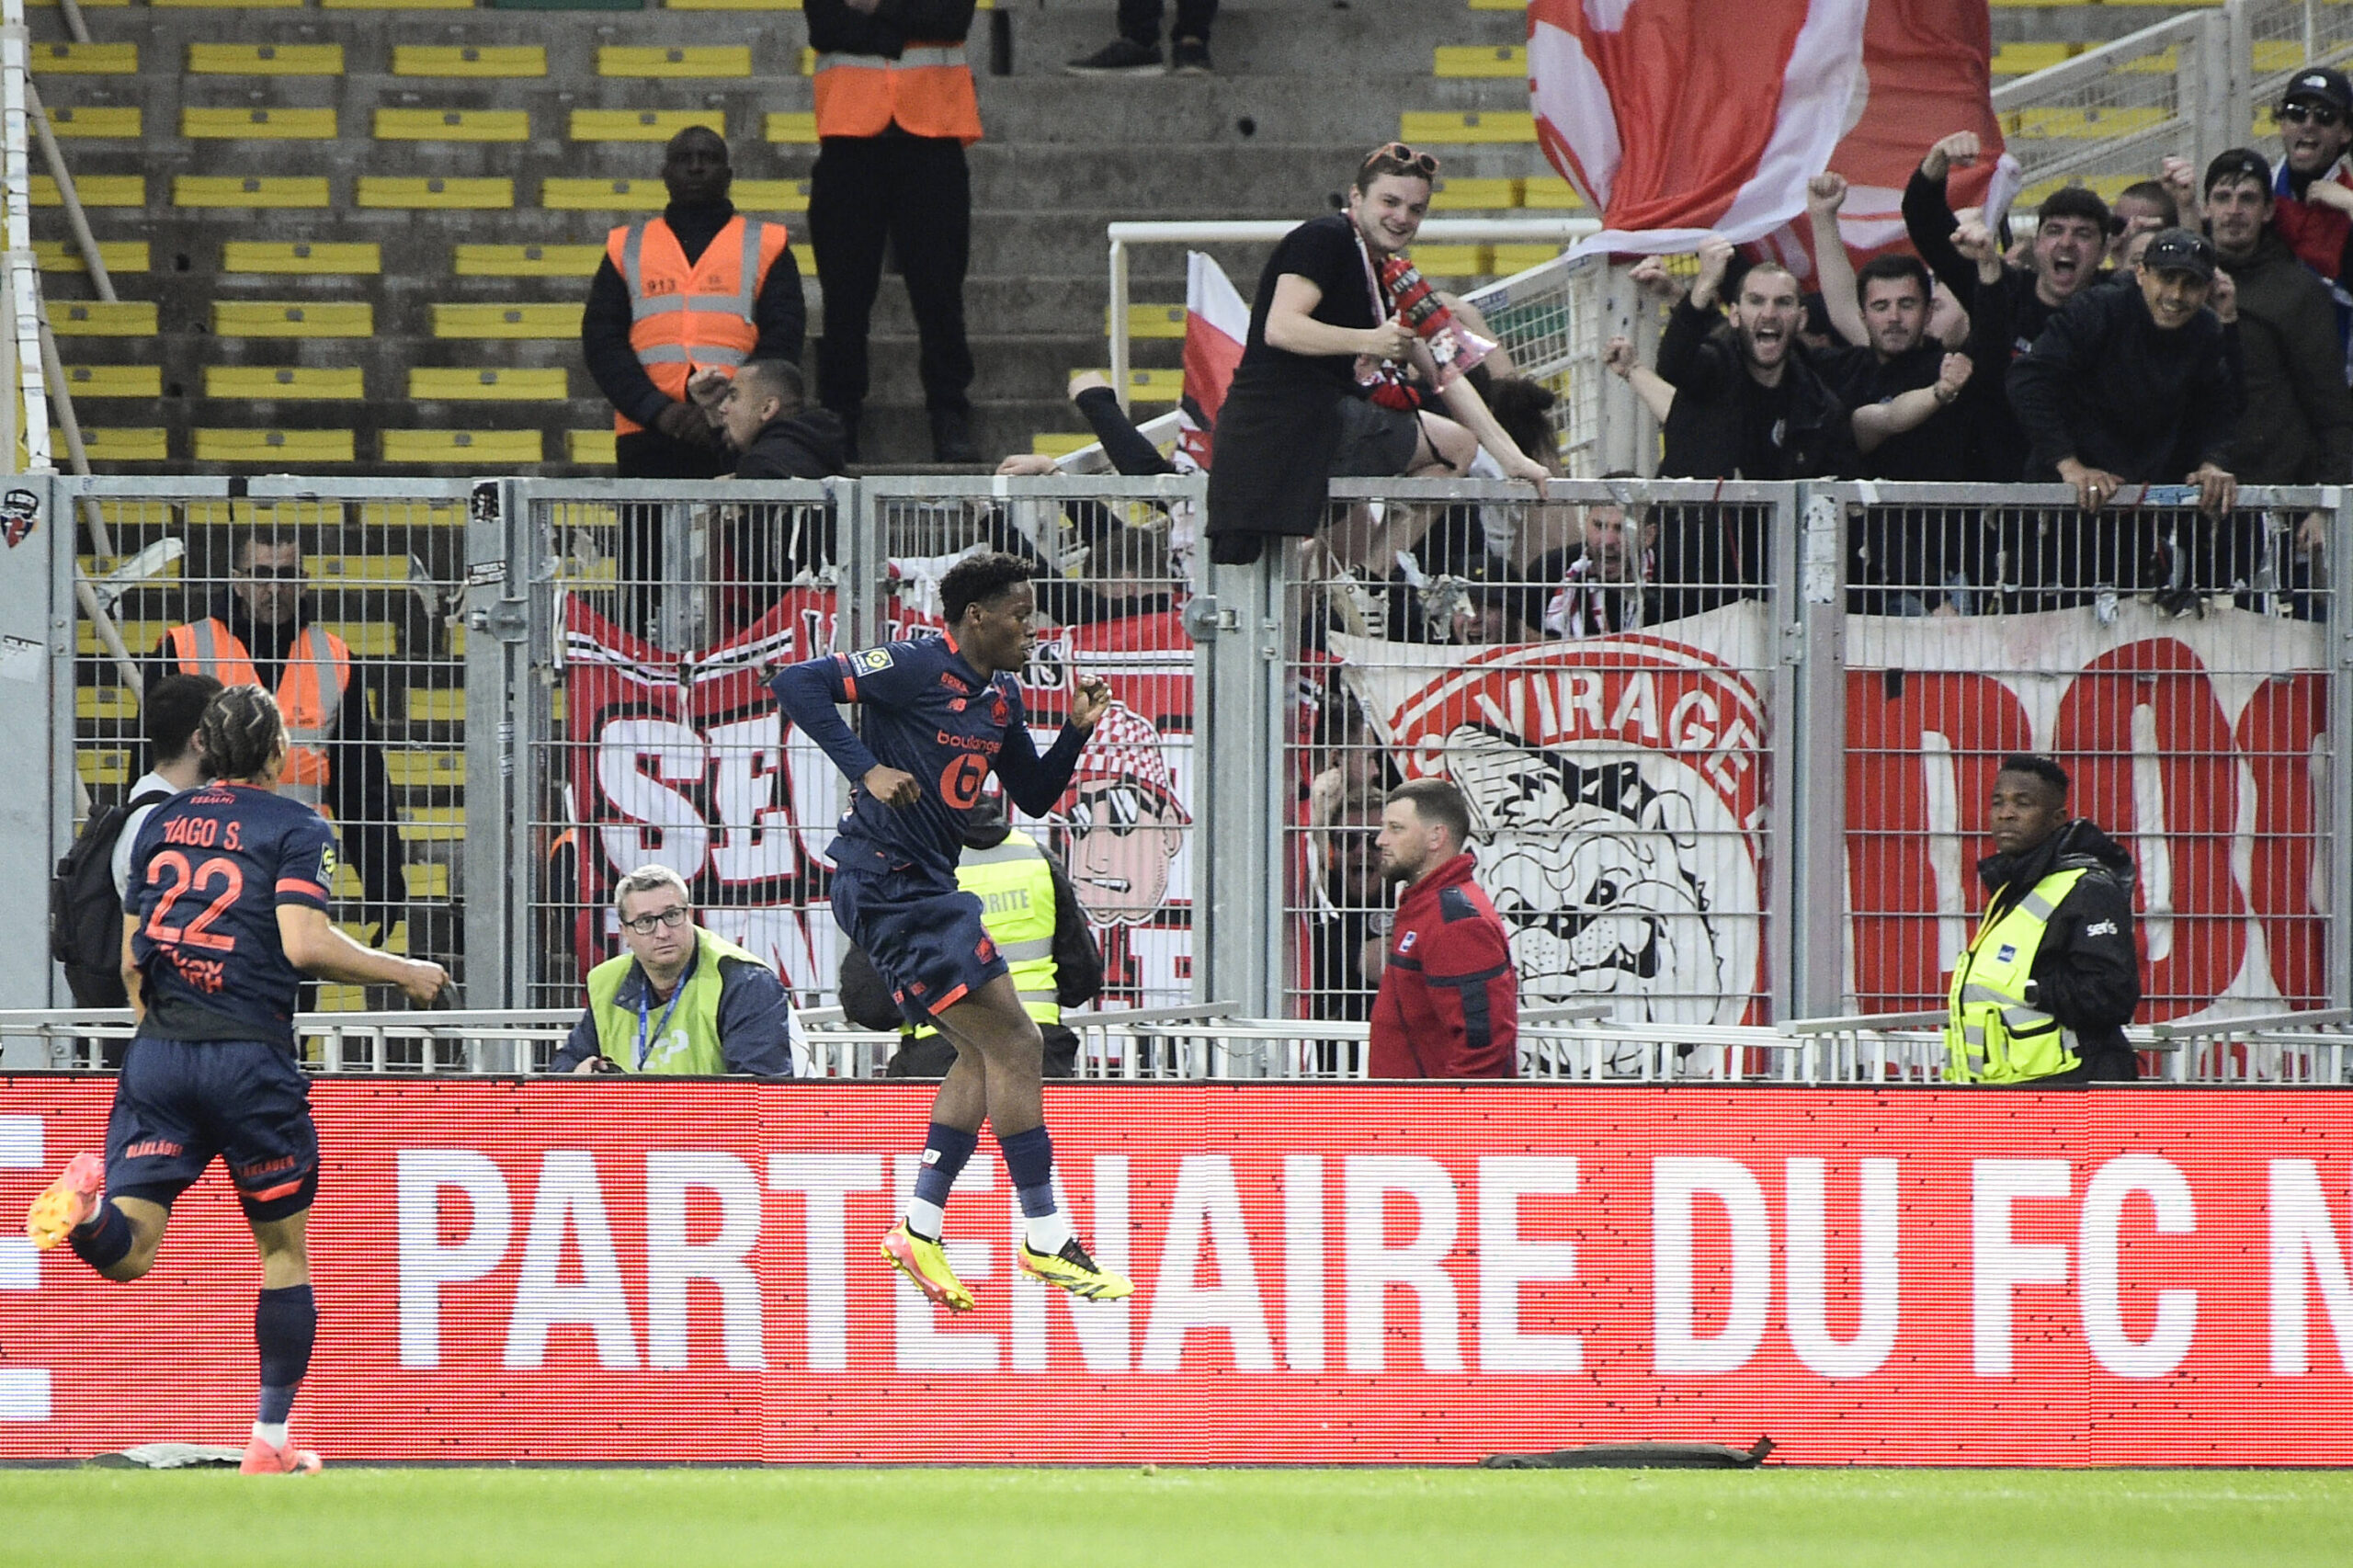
1292, 1518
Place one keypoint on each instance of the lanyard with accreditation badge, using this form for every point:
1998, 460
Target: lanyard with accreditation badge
644, 1041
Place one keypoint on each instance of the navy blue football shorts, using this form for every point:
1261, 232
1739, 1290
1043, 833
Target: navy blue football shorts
179, 1102
926, 940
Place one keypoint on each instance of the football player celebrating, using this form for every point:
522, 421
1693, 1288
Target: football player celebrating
942, 712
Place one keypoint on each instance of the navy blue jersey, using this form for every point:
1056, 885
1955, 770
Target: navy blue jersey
208, 873
928, 714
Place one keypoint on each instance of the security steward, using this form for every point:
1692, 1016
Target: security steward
1032, 914
896, 110
681, 999
260, 631
2052, 977
702, 287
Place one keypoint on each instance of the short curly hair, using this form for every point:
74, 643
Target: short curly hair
977, 579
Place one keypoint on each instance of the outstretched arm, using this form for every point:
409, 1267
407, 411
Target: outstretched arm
1833, 269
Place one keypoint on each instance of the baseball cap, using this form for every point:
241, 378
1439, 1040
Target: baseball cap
2328, 86
2238, 163
2178, 250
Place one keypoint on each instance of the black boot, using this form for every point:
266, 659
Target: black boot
951, 436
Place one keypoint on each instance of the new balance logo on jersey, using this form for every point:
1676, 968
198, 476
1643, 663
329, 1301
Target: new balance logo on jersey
2101, 928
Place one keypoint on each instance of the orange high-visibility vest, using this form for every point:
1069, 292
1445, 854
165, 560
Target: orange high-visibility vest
929, 90
310, 692
689, 318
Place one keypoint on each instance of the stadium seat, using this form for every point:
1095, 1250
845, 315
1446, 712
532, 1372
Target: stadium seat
1450, 128
426, 878
588, 446
95, 318
272, 258
106, 704
1475, 195
288, 318
265, 59
452, 125
114, 381
258, 124
89, 122
1549, 193
467, 60
1477, 61
428, 824
525, 261
433, 384
249, 190
533, 322
84, 58
640, 124
94, 191
437, 705
283, 383
426, 769
284, 449
1150, 320
421, 194
115, 256
117, 443
566, 195
490, 450
721, 61
792, 129
1058, 443
103, 766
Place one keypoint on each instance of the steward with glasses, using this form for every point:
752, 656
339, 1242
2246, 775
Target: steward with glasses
681, 1000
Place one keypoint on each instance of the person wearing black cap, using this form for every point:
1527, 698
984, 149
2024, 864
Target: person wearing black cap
2314, 193
2131, 385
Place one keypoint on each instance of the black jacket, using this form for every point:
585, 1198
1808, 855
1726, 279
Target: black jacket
1706, 427
2088, 971
807, 445
779, 315
2106, 385
2298, 427
888, 28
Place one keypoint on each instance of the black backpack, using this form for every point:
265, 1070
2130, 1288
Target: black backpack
86, 915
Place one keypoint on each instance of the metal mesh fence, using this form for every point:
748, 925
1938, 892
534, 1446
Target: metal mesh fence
1596, 674
2177, 666
2107, 118
344, 607
1546, 320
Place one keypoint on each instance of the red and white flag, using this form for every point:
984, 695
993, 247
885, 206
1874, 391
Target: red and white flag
1217, 323
1674, 121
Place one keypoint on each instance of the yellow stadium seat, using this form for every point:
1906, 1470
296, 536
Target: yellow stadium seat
426, 769
286, 318
428, 879
1058, 443
725, 60
641, 124
465, 384
506, 321
731, 4
265, 59
1452, 128
405, 192
106, 704
760, 196
1481, 61
286, 450
432, 825
454, 59
117, 444
139, 636
603, 195
284, 383
1504, 260
410, 515
526, 261
366, 639
1549, 193
588, 446
357, 571
84, 58
792, 127
334, 999
249, 190
94, 191
115, 256
93, 318
435, 705
110, 765
1454, 261
258, 124
1150, 320
114, 381
225, 5
484, 449
2077, 124
1475, 195
364, 932
452, 125
1153, 386
301, 260
87, 122
457, 641
2022, 58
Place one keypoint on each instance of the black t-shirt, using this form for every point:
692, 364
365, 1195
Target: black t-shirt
1764, 427
1324, 251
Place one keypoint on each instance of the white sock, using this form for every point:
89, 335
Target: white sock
271, 1432
1047, 1233
924, 1218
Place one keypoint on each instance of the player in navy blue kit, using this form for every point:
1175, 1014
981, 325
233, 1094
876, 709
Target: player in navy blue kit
227, 909
941, 713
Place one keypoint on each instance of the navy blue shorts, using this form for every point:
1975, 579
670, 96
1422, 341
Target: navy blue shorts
927, 941
179, 1102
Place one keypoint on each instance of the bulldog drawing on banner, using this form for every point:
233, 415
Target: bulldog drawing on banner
1120, 824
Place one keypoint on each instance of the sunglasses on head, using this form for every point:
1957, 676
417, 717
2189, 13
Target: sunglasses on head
2316, 114
1422, 163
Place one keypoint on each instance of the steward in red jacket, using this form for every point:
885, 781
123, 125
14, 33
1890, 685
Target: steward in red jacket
1449, 1005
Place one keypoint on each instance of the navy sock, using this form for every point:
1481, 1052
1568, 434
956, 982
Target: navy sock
1029, 1161
102, 1242
944, 1150
285, 1324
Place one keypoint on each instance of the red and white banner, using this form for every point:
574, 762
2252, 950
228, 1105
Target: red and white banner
1794, 87
664, 1271
1217, 326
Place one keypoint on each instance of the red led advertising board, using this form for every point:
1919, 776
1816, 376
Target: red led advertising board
650, 1271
